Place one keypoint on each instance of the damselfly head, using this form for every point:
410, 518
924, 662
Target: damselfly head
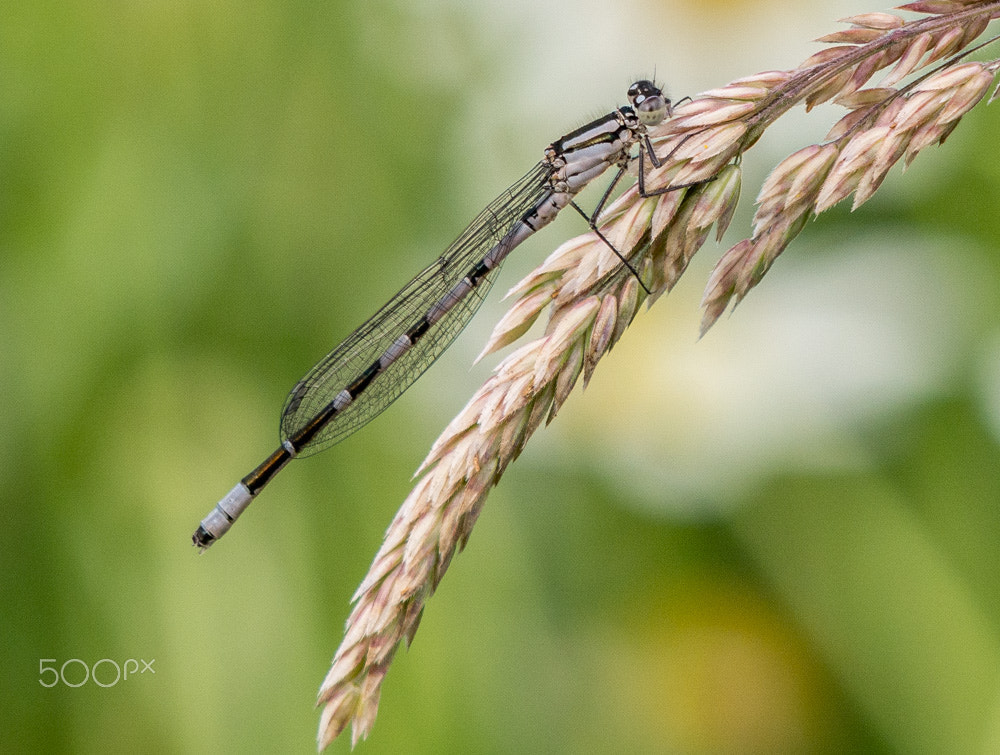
650, 105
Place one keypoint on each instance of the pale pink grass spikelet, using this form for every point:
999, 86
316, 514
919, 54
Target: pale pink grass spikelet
591, 298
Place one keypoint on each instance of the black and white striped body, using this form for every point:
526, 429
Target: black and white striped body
380, 360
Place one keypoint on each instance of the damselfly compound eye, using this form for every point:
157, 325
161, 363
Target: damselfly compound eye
650, 106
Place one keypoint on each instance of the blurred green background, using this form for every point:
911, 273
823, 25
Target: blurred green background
779, 538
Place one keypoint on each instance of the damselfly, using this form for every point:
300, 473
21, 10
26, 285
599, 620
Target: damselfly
376, 363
